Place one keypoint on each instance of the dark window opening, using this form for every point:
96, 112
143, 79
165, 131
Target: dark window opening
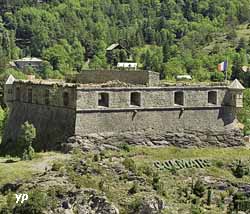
9, 91
135, 99
18, 94
46, 97
103, 99
179, 98
212, 97
65, 98
30, 95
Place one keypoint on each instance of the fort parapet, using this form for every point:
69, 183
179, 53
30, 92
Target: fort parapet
124, 108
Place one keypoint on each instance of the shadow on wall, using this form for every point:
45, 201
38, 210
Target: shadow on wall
226, 113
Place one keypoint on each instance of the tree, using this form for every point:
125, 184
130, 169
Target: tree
25, 139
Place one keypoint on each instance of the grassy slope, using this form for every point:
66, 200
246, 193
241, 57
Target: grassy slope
116, 186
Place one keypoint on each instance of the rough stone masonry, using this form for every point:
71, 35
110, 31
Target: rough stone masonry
114, 107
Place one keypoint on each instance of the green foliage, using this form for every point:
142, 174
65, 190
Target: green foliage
96, 158
134, 189
3, 119
57, 166
25, 139
217, 76
209, 196
199, 188
240, 169
171, 37
29, 153
36, 203
130, 164
244, 114
125, 147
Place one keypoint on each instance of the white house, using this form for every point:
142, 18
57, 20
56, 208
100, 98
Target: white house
131, 65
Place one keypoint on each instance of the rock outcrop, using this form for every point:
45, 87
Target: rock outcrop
230, 138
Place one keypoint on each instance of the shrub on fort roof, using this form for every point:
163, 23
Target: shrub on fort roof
217, 76
202, 75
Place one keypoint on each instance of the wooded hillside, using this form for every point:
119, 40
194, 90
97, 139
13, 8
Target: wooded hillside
168, 36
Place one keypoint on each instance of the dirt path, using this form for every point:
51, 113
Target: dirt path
46, 161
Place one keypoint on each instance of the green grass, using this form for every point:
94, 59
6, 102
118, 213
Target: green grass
116, 187
21, 170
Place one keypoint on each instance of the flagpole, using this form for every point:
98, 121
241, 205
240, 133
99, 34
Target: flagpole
226, 70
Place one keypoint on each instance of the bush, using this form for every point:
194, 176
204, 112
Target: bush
217, 76
129, 164
28, 153
57, 166
199, 188
96, 158
219, 163
238, 196
239, 170
25, 139
125, 147
38, 201
134, 189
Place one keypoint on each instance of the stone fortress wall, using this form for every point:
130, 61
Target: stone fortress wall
138, 77
141, 113
50, 107
201, 114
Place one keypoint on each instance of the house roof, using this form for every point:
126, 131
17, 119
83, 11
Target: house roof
127, 65
236, 85
113, 46
10, 80
29, 59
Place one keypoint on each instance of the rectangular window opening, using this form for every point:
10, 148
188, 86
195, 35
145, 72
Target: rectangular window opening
103, 99
65, 98
18, 94
46, 97
135, 99
212, 97
179, 98
29, 95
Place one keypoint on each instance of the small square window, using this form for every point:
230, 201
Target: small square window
103, 99
179, 98
135, 99
65, 98
212, 97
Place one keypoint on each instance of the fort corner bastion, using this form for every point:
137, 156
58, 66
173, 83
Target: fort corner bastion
112, 107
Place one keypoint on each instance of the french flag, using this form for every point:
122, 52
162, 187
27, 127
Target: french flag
222, 66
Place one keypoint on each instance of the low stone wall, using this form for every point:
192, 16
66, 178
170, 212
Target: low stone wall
187, 139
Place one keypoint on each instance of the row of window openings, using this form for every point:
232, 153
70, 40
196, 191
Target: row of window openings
103, 98
46, 96
135, 98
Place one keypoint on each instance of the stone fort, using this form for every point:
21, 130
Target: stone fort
114, 106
